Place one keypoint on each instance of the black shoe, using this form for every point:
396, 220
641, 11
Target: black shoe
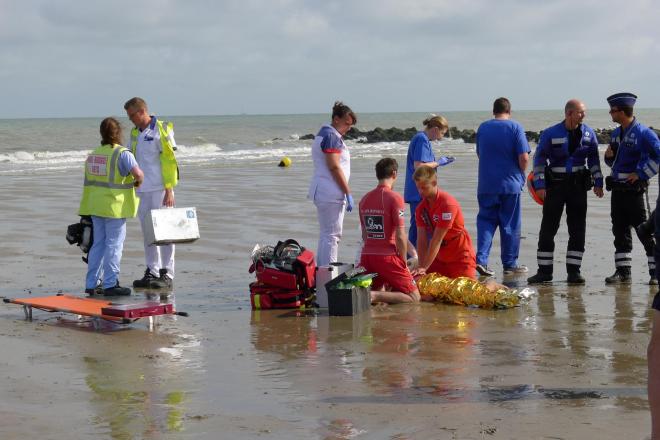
149, 281
117, 291
575, 278
618, 278
484, 271
539, 278
167, 281
98, 290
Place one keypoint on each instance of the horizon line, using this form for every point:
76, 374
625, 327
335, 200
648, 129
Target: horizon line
297, 114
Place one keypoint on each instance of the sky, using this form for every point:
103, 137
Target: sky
70, 58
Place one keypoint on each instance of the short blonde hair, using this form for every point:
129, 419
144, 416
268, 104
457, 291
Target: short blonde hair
436, 121
425, 174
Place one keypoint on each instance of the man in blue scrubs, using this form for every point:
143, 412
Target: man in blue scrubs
503, 157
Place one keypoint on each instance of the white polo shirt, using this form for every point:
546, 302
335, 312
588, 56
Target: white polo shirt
323, 186
147, 154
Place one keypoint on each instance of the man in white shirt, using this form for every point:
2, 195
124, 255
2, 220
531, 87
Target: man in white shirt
152, 143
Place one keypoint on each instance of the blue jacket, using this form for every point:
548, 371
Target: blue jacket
638, 152
553, 151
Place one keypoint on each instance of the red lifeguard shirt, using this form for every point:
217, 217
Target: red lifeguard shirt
456, 246
381, 212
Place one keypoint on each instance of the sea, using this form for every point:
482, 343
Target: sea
61, 144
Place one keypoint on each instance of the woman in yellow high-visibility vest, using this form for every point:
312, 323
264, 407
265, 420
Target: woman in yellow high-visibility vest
111, 175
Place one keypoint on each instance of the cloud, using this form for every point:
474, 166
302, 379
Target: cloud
289, 56
306, 25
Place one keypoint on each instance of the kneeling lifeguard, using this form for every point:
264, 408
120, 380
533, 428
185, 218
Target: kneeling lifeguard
385, 239
443, 244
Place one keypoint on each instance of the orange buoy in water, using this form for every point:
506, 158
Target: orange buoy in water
530, 188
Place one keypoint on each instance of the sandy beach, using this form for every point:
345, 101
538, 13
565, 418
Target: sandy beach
571, 364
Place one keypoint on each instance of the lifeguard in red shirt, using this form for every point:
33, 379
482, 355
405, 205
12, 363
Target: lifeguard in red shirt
385, 239
443, 244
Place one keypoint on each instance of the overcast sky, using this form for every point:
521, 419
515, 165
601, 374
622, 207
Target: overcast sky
85, 58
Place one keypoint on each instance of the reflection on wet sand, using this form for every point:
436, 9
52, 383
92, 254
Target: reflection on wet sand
136, 391
569, 347
141, 393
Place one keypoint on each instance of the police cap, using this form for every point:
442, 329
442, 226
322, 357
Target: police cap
624, 99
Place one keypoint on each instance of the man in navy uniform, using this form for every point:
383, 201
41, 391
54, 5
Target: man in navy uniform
634, 156
561, 155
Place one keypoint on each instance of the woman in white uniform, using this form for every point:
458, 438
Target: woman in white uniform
329, 187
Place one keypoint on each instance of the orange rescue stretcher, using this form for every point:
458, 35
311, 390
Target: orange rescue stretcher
96, 309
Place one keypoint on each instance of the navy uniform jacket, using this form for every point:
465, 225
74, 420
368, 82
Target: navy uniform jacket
638, 152
553, 151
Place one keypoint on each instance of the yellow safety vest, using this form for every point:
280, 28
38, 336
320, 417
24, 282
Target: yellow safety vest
106, 193
168, 166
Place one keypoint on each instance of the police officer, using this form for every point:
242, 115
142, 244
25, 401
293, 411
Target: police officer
634, 156
560, 178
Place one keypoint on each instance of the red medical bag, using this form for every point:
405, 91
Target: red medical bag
268, 297
289, 272
305, 268
276, 277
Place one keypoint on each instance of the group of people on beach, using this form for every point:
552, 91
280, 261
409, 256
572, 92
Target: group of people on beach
121, 183
566, 166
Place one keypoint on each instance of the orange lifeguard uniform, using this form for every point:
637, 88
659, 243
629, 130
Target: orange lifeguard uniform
381, 213
456, 257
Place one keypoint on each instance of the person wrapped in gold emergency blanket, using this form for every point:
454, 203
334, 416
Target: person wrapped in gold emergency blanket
468, 292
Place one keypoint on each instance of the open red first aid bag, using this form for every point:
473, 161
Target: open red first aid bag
285, 275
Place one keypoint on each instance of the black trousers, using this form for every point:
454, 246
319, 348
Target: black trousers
574, 197
627, 210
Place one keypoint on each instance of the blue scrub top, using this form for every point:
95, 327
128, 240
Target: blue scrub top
126, 162
419, 150
499, 143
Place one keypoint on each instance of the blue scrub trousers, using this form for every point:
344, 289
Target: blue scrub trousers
503, 211
105, 254
412, 232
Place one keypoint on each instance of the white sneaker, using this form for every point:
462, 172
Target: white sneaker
521, 268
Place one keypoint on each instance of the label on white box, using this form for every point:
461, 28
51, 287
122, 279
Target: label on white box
171, 225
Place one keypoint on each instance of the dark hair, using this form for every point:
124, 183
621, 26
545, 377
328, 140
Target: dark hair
340, 110
135, 103
386, 167
501, 105
627, 110
110, 131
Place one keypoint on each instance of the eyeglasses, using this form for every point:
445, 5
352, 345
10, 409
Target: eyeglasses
131, 113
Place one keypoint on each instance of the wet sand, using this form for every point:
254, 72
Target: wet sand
571, 364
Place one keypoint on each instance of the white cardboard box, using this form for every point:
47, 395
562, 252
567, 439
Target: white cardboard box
323, 275
171, 225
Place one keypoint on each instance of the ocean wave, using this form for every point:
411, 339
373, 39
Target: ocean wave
211, 153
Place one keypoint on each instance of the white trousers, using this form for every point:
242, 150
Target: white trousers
156, 256
331, 220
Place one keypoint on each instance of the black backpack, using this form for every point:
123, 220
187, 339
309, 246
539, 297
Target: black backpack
81, 234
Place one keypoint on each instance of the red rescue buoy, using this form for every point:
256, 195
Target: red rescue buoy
532, 191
